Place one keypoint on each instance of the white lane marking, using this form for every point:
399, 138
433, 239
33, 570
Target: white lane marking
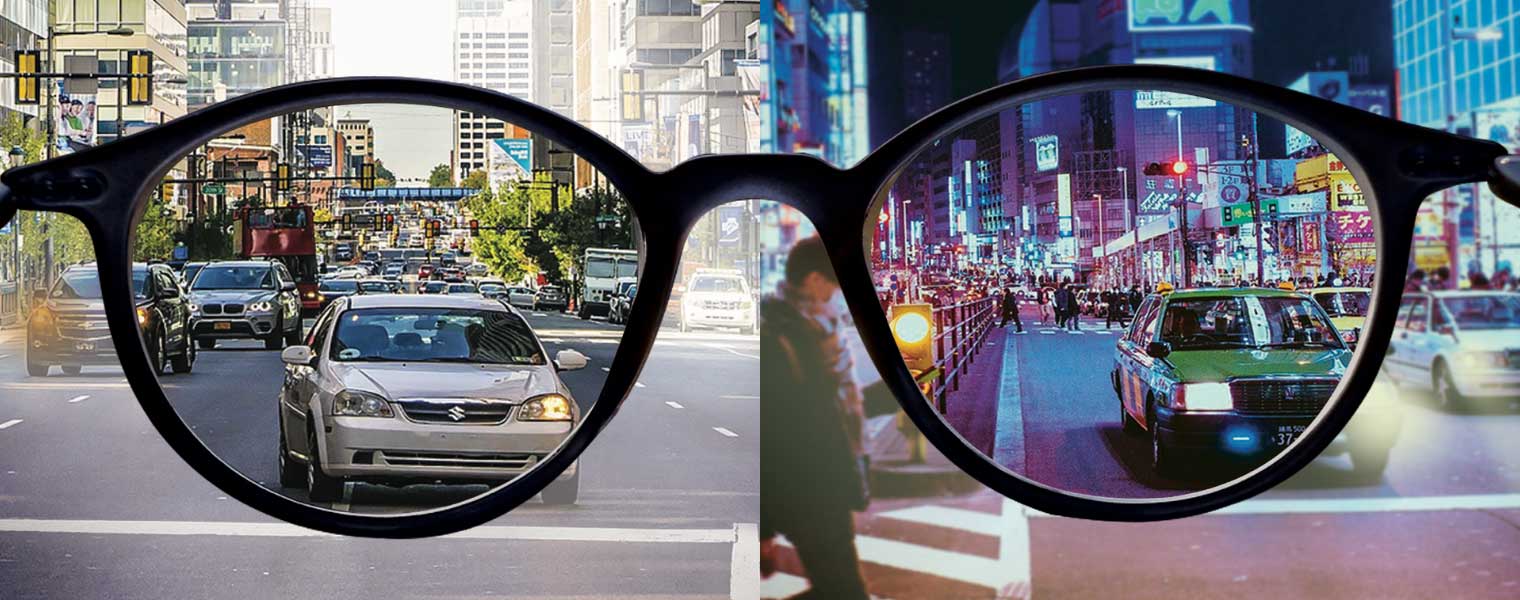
539, 314
79, 398
67, 385
1047, 332
483, 532
731, 351
673, 404
1272, 506
637, 384
606, 369
782, 585
1008, 444
1013, 552
968, 568
744, 563
739, 397
947, 517
10, 423
4, 356
725, 432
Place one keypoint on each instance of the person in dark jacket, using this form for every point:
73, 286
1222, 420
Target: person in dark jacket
812, 470
1010, 308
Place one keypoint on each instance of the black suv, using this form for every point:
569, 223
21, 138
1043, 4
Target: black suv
68, 321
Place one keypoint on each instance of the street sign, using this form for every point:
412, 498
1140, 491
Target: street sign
214, 189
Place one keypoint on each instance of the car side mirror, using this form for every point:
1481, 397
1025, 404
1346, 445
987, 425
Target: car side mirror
569, 360
168, 293
297, 356
1158, 349
288, 287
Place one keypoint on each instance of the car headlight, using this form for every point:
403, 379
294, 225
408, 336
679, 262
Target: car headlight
1203, 396
355, 403
195, 309
260, 307
1480, 360
143, 316
549, 407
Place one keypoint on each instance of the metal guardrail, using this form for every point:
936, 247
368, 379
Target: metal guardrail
10, 303
959, 331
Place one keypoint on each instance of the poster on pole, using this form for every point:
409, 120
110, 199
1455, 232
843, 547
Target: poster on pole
75, 121
509, 159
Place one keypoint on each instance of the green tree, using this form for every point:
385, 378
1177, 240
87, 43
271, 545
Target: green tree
476, 180
440, 177
383, 176
156, 233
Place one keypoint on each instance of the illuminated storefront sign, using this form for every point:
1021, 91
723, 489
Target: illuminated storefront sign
1146, 99
1047, 152
1189, 15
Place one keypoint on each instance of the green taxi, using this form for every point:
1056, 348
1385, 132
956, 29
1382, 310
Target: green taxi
1225, 372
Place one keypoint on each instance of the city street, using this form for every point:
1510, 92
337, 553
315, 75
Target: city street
1444, 521
94, 500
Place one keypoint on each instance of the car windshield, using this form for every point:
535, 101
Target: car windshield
1344, 304
1497, 311
339, 285
435, 287
717, 284
191, 271
84, 284
599, 267
461, 288
435, 335
1246, 321
235, 278
374, 286
492, 287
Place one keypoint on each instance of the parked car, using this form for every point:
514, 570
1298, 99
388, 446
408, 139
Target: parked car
551, 297
1462, 345
67, 326
521, 297
246, 299
398, 390
1225, 372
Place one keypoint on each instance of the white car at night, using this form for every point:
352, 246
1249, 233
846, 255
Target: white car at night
400, 389
1462, 345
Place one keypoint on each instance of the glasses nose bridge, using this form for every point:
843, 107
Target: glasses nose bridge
794, 180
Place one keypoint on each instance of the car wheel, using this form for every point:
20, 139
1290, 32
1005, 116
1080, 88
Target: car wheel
319, 486
583, 313
156, 355
292, 475
563, 492
36, 369
276, 339
1161, 456
72, 369
183, 363
1447, 395
1368, 463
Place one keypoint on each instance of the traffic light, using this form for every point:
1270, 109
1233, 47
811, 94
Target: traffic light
28, 85
1154, 169
282, 177
348, 220
367, 176
1174, 168
377, 223
913, 328
390, 221
1179, 168
139, 77
474, 227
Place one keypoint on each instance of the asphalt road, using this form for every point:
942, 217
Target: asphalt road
93, 503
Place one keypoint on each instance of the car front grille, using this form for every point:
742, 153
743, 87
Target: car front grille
221, 309
1281, 397
83, 327
404, 458
461, 412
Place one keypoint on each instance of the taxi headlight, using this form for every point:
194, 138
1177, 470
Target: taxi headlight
260, 307
1482, 360
548, 407
1204, 396
355, 403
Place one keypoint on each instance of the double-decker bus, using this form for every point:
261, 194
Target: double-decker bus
286, 234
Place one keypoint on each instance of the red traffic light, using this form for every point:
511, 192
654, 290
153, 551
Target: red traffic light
1179, 168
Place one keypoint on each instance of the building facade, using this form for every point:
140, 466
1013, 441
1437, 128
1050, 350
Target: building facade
495, 50
158, 26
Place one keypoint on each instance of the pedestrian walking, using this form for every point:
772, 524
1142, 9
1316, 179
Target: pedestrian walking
1073, 310
1058, 305
808, 392
1011, 309
1043, 297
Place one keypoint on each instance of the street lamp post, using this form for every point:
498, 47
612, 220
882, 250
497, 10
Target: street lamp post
1454, 34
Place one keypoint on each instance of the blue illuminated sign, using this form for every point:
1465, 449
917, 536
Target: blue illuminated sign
1189, 15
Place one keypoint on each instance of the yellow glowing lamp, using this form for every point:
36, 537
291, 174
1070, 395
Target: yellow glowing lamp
1164, 288
1287, 285
913, 328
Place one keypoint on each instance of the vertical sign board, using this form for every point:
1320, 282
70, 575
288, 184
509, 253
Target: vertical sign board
1047, 152
1066, 246
730, 225
509, 159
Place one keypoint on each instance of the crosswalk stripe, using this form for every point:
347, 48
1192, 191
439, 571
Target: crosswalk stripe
10, 423
79, 398
968, 568
782, 585
947, 517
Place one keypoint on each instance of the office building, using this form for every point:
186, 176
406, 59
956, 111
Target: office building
494, 42
158, 26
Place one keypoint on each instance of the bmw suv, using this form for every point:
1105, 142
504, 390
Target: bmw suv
249, 299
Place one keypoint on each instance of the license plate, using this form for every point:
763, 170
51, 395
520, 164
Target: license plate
1286, 434
222, 326
84, 347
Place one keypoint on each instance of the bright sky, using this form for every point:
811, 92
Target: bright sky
405, 38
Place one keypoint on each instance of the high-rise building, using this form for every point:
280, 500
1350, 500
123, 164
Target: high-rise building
359, 138
157, 26
716, 123
23, 25
554, 51
595, 99
655, 43
235, 47
309, 37
494, 42
818, 78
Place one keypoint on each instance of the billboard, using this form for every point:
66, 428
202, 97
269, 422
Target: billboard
317, 156
76, 119
730, 225
1159, 193
1047, 152
1189, 15
1371, 97
1330, 85
509, 159
1350, 227
1145, 99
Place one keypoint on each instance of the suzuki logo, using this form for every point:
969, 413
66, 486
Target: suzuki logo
456, 413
